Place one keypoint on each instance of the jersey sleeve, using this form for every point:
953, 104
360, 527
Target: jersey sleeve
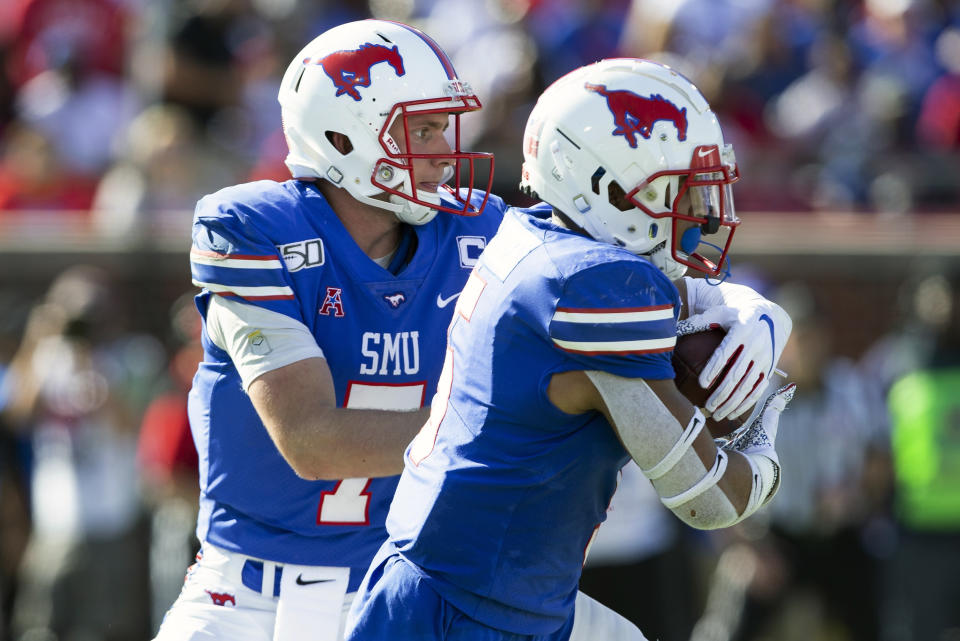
231, 257
256, 339
618, 317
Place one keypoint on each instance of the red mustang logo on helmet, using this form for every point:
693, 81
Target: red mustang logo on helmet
636, 114
351, 69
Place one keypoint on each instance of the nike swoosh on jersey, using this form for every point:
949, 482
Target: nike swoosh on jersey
300, 580
443, 302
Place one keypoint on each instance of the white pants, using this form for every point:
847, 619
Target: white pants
227, 595
593, 621
215, 605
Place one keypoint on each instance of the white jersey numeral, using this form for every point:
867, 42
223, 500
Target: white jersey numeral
349, 502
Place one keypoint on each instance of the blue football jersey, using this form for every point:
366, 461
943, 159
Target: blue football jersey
502, 492
281, 247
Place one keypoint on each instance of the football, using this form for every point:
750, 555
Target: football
690, 355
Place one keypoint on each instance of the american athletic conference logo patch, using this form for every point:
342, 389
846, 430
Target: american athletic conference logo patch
632, 113
332, 303
351, 68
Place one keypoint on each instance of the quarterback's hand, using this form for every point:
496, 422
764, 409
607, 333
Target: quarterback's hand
757, 331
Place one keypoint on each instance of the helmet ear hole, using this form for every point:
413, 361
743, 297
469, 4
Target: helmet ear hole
339, 141
618, 197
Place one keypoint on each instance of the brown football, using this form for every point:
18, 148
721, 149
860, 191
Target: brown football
690, 355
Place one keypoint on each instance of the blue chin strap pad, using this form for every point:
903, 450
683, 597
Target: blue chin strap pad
689, 240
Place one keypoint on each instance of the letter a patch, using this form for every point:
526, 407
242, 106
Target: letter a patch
332, 303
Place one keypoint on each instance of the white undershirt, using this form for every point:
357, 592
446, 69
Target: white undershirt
257, 339
384, 261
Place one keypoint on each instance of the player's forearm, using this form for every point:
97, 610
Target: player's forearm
728, 498
320, 441
752, 475
704, 486
737, 495
341, 443
297, 404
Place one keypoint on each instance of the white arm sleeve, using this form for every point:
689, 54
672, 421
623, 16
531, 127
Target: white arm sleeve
663, 450
257, 339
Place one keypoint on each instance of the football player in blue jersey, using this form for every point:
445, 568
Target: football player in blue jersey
325, 304
558, 371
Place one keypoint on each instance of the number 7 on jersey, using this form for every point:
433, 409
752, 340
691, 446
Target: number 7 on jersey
348, 503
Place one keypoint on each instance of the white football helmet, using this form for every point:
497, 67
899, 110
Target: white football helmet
357, 79
629, 150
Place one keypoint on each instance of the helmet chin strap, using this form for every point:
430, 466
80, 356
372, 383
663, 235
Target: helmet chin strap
663, 260
665, 263
410, 212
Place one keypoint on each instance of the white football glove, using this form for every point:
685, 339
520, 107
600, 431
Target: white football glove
760, 435
757, 331
756, 441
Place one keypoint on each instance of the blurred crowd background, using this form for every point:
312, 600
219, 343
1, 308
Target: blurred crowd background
117, 115
125, 111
